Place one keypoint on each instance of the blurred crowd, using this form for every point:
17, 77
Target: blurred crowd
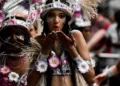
101, 33
102, 36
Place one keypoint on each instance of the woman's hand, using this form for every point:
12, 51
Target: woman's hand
66, 41
100, 78
47, 42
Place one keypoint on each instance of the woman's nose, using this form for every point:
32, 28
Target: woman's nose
57, 19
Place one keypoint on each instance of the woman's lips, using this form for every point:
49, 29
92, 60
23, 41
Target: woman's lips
56, 28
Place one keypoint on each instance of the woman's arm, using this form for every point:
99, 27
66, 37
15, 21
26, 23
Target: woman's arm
96, 38
84, 53
35, 74
112, 71
77, 48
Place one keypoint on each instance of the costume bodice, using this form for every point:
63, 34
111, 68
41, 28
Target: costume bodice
63, 68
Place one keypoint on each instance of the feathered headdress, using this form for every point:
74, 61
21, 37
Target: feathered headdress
69, 6
89, 7
2, 2
16, 7
20, 8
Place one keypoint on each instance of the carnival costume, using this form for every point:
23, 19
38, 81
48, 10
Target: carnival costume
13, 54
50, 65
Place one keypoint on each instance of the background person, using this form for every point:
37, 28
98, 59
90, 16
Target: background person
14, 38
112, 71
99, 27
82, 23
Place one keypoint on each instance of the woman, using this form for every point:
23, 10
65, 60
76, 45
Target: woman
14, 55
82, 24
63, 51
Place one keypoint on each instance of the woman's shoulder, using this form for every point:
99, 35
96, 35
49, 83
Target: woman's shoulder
76, 33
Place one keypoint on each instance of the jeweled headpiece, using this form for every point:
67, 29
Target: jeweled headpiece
13, 20
69, 6
81, 20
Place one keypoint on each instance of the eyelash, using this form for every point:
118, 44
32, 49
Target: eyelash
61, 16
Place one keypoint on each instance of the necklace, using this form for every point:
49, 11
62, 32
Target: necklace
8, 77
58, 50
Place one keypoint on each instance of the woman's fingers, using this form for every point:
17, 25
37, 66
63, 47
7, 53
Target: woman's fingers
49, 42
68, 40
51, 38
100, 78
72, 38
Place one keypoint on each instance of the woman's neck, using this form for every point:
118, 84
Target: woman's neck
58, 48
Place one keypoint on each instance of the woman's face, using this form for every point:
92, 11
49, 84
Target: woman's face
33, 31
56, 20
86, 33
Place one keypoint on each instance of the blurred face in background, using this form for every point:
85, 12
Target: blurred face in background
33, 31
86, 31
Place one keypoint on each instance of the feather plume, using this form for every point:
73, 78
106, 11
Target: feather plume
2, 2
18, 8
9, 5
89, 7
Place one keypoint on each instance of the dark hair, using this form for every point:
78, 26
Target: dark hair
102, 10
117, 16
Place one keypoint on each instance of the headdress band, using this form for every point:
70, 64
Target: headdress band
14, 21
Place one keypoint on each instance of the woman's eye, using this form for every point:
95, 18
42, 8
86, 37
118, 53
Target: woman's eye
62, 16
50, 16
20, 37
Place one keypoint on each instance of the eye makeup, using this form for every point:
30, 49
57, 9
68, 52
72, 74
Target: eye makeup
61, 16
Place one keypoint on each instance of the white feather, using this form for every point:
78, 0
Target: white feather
89, 7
